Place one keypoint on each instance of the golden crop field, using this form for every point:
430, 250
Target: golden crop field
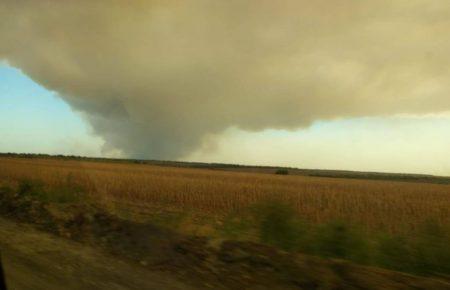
386, 205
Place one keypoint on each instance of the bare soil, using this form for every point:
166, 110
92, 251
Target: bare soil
33, 259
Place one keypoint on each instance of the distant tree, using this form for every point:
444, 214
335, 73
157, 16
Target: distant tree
282, 172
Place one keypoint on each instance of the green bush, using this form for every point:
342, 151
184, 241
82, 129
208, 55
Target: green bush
236, 227
431, 250
338, 240
393, 252
278, 225
425, 253
28, 187
62, 194
59, 194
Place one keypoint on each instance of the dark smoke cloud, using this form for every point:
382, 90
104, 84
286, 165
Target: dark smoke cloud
154, 78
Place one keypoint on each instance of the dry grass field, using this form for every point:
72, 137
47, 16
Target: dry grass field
375, 205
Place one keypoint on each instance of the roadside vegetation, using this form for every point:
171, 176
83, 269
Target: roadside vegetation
424, 252
393, 225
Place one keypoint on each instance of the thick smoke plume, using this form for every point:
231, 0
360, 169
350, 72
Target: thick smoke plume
154, 78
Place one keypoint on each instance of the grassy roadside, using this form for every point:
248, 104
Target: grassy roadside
67, 211
425, 252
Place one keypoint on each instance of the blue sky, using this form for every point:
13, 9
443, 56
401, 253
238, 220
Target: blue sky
35, 120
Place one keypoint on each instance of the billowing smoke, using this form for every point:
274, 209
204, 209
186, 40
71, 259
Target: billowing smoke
155, 78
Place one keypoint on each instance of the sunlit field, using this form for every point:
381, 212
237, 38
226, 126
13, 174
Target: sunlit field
374, 205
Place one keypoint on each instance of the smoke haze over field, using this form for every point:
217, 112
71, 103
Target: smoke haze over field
157, 78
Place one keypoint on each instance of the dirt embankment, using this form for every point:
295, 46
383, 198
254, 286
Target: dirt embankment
37, 260
143, 256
